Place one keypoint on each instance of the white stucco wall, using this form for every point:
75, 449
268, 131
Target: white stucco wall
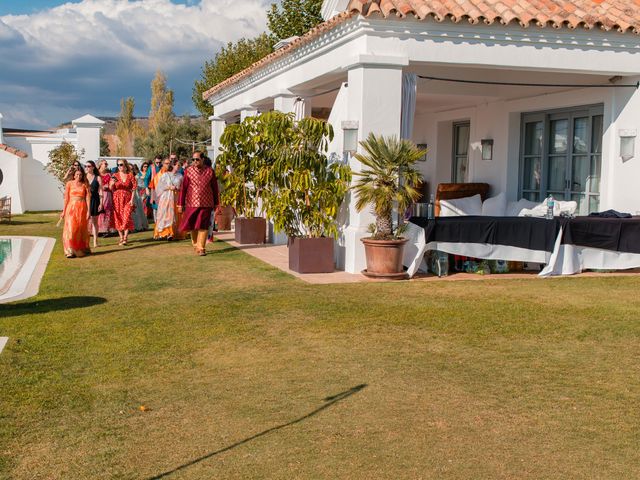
10, 166
40, 190
37, 190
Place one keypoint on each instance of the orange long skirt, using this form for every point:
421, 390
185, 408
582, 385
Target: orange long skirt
75, 236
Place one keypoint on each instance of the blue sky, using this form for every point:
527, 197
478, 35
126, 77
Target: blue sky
19, 7
60, 60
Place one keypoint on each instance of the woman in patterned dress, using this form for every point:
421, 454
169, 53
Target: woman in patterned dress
122, 185
105, 219
77, 199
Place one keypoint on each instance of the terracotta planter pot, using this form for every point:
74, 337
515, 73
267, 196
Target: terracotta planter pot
224, 217
384, 258
311, 255
250, 230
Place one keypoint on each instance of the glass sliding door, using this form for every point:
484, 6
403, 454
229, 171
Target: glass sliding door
532, 159
460, 163
562, 155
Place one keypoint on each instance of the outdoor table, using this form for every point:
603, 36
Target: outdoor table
564, 245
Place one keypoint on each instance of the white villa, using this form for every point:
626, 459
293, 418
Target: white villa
24, 155
548, 93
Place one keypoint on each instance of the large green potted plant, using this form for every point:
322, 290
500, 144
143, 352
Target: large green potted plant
306, 191
241, 164
388, 180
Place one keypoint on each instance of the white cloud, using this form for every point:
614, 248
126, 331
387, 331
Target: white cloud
86, 56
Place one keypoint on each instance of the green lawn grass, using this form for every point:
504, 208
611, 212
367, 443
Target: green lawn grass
247, 372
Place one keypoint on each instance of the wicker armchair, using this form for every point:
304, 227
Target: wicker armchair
5, 208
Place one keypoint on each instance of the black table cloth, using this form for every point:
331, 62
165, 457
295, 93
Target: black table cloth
616, 234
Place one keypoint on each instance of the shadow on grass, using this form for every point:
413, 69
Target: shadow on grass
222, 250
330, 401
49, 305
18, 223
115, 248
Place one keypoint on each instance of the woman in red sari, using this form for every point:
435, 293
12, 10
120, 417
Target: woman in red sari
76, 213
105, 219
122, 184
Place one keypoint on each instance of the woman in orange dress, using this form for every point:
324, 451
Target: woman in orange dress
77, 197
122, 184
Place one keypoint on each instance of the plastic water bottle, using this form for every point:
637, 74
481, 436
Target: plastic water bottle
431, 208
550, 205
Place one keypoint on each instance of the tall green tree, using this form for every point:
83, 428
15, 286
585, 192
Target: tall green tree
127, 129
293, 17
161, 102
61, 158
231, 59
285, 19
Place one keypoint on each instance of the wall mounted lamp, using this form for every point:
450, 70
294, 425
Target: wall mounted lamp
425, 147
487, 148
350, 136
627, 144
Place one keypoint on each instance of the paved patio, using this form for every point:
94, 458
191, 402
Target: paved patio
277, 256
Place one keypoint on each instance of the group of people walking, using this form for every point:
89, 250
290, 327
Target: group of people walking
180, 198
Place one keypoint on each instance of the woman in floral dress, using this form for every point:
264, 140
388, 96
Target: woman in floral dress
105, 219
123, 184
77, 198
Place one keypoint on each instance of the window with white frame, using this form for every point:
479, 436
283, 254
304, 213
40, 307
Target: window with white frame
561, 156
460, 161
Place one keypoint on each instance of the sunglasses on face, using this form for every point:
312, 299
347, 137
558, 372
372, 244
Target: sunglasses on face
121, 164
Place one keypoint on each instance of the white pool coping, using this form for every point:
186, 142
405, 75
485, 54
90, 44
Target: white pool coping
27, 281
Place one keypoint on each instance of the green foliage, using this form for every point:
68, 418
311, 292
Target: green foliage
60, 160
174, 134
388, 179
283, 163
244, 164
231, 59
293, 17
306, 191
285, 19
104, 147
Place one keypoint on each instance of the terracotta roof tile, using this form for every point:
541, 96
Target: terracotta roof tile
14, 151
620, 15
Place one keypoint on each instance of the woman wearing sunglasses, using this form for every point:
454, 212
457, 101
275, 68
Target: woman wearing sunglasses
105, 219
95, 187
122, 185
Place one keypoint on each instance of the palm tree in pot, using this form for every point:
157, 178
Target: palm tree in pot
388, 180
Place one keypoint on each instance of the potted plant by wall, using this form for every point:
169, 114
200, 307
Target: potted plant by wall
224, 214
306, 191
242, 158
388, 180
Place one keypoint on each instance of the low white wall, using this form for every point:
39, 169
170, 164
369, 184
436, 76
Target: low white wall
10, 166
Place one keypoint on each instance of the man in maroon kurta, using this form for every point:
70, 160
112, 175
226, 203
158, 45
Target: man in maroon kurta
198, 197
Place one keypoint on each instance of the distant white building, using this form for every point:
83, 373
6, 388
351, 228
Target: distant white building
533, 98
24, 155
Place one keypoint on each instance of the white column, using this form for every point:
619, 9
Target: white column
302, 108
88, 131
248, 111
217, 128
374, 101
285, 102
618, 187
